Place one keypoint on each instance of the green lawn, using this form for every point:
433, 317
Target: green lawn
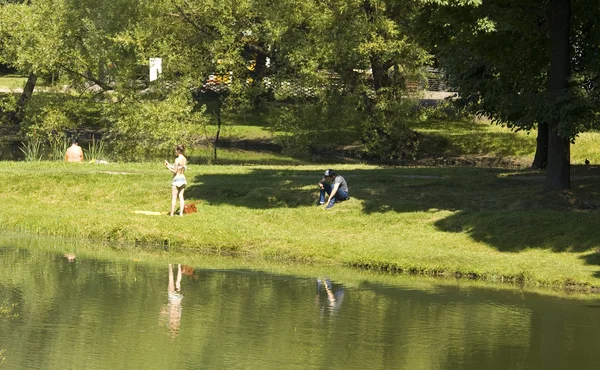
16, 82
491, 224
481, 138
475, 139
12, 82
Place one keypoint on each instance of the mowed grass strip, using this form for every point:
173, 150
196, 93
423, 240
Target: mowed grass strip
490, 224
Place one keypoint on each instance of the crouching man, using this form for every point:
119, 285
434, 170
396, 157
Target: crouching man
333, 185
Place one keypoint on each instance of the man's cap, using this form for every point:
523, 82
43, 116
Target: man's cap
329, 173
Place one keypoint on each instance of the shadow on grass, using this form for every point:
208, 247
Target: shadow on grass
246, 152
468, 137
475, 143
593, 259
259, 189
506, 209
244, 160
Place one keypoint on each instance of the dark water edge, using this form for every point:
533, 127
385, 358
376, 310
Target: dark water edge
111, 307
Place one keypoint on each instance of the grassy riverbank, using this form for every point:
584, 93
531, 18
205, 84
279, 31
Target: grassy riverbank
491, 224
40, 247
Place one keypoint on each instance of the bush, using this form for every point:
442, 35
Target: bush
51, 117
151, 128
390, 138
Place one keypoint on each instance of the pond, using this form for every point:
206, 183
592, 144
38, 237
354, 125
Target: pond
92, 311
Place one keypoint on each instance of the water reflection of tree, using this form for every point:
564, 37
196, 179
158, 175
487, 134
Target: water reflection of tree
6, 310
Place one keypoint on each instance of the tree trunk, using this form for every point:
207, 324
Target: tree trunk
379, 68
558, 174
216, 142
540, 161
380, 73
16, 117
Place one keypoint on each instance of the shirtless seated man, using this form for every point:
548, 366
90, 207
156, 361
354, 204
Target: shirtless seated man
74, 153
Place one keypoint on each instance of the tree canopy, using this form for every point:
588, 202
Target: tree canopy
502, 57
527, 64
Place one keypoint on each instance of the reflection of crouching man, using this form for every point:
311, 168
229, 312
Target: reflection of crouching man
335, 186
74, 153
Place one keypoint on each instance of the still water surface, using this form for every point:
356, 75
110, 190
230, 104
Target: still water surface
100, 314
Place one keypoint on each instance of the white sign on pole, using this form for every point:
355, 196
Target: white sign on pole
155, 68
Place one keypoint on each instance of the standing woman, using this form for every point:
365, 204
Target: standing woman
178, 183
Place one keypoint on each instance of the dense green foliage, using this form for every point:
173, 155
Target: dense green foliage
332, 72
316, 54
509, 61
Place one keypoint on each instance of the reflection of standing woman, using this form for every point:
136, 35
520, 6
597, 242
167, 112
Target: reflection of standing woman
171, 313
178, 183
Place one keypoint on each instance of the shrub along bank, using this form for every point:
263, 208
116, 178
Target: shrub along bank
485, 223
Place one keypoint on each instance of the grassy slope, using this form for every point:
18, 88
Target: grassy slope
471, 140
492, 223
481, 138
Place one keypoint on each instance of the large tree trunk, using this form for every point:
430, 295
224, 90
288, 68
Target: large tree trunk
217, 112
379, 68
540, 160
17, 116
558, 174
380, 73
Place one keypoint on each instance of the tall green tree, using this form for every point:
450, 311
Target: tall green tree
525, 64
17, 47
356, 56
71, 38
98, 50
